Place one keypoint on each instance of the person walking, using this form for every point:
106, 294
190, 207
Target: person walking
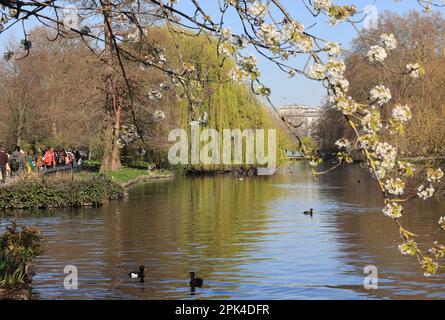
3, 162
69, 158
61, 157
49, 159
77, 157
17, 162
39, 160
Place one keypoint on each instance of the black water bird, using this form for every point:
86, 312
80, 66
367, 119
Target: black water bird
309, 213
195, 282
139, 274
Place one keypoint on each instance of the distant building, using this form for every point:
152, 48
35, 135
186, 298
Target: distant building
303, 118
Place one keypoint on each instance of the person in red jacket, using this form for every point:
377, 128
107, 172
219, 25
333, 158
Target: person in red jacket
49, 159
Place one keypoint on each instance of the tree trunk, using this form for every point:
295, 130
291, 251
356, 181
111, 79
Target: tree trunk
111, 157
18, 141
116, 150
90, 151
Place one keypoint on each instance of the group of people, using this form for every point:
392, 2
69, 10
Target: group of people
19, 163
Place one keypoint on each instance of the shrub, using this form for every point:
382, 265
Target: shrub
17, 249
59, 193
91, 165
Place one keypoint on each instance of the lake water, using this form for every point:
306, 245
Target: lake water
246, 239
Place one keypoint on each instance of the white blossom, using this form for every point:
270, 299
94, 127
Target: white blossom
333, 49
388, 41
238, 75
371, 122
258, 9
425, 193
414, 70
367, 141
304, 44
291, 31
377, 53
395, 187
393, 210
434, 175
226, 33
317, 71
408, 248
401, 113
387, 155
381, 95
241, 42
340, 83
344, 104
270, 34
343, 143
335, 68
320, 5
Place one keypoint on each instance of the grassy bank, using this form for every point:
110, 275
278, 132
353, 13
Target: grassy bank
73, 190
126, 176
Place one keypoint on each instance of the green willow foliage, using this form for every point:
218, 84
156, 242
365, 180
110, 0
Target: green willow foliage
59, 193
229, 105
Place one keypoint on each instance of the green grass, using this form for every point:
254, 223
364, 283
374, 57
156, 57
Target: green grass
92, 162
125, 175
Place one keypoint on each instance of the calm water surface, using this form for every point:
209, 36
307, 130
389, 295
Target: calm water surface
247, 239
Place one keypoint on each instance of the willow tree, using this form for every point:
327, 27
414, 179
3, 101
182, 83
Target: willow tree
270, 29
218, 102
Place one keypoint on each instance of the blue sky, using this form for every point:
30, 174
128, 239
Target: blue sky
284, 90
300, 90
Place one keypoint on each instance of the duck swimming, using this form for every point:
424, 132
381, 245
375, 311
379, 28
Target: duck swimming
139, 274
195, 282
309, 213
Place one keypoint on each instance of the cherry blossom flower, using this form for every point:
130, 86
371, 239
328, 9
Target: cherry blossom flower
377, 53
425, 193
381, 95
395, 187
322, 5
401, 113
343, 143
393, 210
388, 41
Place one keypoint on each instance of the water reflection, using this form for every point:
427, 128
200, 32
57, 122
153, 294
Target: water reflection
248, 239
